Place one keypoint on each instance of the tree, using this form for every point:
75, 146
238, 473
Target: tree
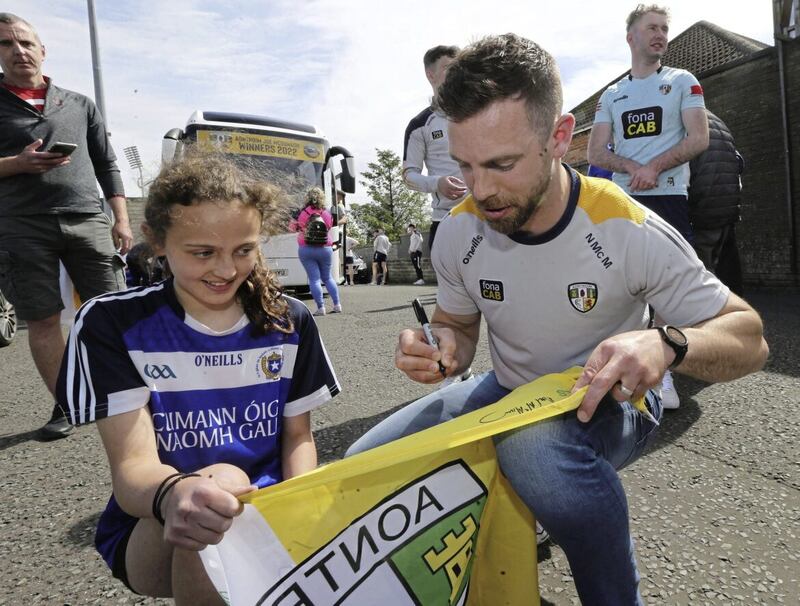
393, 205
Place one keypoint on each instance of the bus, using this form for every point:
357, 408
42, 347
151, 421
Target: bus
293, 155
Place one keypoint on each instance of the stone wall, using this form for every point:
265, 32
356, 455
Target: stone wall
401, 271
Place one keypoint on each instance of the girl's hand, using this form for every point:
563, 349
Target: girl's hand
199, 510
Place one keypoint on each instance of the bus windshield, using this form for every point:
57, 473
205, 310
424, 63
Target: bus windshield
294, 163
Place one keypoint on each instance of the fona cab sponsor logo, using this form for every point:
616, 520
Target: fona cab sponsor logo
269, 365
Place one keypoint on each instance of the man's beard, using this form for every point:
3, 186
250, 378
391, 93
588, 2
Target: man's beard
522, 211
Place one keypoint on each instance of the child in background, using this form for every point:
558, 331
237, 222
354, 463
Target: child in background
201, 386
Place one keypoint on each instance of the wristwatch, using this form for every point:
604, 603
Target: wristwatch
675, 338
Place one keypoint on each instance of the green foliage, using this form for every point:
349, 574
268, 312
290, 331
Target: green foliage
392, 204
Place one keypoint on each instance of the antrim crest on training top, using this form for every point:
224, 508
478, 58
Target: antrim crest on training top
582, 295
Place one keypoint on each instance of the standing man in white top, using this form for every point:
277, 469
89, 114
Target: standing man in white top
655, 117
415, 252
380, 247
426, 146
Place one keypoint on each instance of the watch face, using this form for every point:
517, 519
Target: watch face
676, 335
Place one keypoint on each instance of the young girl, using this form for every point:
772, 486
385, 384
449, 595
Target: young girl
201, 385
317, 260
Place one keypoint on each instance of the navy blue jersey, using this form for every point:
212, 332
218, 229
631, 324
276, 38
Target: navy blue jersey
213, 397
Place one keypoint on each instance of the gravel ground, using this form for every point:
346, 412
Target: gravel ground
714, 505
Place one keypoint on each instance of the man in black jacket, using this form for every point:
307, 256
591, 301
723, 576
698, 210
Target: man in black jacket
49, 207
715, 204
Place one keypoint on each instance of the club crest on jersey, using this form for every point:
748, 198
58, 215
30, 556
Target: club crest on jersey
437, 134
665, 88
269, 365
582, 296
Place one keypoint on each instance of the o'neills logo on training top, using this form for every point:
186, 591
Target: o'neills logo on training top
414, 547
476, 240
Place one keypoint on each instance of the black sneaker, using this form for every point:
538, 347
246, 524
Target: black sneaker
57, 427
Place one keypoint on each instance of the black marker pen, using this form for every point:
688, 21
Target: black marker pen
426, 328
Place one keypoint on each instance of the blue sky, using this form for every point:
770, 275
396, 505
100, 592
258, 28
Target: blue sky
352, 67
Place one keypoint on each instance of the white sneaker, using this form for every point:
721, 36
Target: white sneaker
669, 397
542, 536
419, 282
337, 309
320, 311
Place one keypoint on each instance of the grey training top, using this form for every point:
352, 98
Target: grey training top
68, 117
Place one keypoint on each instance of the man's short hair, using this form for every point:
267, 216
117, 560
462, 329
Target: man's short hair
641, 10
432, 55
11, 19
502, 67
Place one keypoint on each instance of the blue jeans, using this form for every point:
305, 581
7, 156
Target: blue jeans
564, 470
316, 261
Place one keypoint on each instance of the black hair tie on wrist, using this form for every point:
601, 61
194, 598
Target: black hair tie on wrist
156, 514
161, 492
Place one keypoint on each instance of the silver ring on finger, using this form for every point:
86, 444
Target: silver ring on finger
624, 390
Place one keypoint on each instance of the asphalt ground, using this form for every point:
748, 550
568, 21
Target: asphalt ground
715, 505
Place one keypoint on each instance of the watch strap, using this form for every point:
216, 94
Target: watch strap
679, 349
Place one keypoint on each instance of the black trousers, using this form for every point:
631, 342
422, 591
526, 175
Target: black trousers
416, 261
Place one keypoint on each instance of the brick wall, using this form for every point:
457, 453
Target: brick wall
747, 97
576, 156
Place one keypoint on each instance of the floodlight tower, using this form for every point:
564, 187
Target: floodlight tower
135, 162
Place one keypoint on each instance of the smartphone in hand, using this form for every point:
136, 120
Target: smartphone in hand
65, 149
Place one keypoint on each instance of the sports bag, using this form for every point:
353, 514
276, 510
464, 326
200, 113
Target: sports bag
316, 232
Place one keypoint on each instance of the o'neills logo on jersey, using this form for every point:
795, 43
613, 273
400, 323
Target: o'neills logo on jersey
645, 122
416, 546
269, 364
582, 296
476, 240
213, 360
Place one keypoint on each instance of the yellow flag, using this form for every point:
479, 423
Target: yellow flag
428, 519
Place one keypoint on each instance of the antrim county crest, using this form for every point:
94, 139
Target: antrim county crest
415, 547
270, 364
582, 296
